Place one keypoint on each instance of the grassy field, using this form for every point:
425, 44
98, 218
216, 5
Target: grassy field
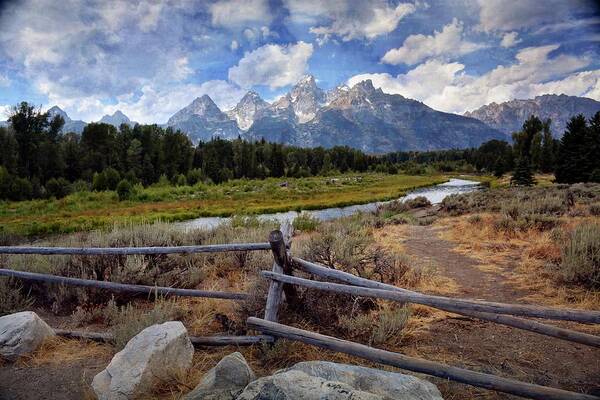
90, 210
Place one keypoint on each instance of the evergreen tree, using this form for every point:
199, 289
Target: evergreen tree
572, 163
522, 175
547, 158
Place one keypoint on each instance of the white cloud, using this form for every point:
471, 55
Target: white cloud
4, 112
272, 65
349, 19
155, 104
447, 87
502, 15
4, 81
240, 13
234, 45
447, 42
510, 39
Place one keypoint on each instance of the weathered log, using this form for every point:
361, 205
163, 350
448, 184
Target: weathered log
198, 341
88, 251
520, 323
432, 368
121, 287
280, 242
439, 301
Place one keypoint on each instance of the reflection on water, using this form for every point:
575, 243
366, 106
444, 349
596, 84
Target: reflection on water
435, 194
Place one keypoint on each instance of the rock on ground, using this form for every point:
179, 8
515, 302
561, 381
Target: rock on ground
297, 385
22, 333
153, 356
327, 380
225, 381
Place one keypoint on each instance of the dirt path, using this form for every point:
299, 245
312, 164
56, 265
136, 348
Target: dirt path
489, 347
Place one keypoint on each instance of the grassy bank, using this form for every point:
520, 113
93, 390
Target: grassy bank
90, 210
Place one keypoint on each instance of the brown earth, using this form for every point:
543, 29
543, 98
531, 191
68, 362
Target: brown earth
485, 346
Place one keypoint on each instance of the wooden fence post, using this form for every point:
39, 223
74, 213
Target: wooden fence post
280, 241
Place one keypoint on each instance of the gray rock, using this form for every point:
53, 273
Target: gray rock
225, 381
387, 384
22, 333
153, 356
326, 380
297, 385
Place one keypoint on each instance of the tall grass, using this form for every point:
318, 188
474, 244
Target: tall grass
581, 256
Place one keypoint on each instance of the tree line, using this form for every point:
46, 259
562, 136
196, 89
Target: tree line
37, 160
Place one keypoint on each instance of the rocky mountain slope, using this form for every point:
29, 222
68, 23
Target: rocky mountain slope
202, 120
366, 118
70, 124
117, 119
362, 117
508, 117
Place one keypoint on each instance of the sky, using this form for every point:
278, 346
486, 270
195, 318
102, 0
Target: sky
149, 58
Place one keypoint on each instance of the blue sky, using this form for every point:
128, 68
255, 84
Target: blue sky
150, 58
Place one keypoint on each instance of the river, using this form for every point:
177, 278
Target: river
435, 194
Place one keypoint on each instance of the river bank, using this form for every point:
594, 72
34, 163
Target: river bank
84, 211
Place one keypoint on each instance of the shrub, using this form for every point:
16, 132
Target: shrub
180, 180
595, 209
12, 298
80, 186
474, 219
379, 327
99, 182
124, 190
195, 176
418, 202
58, 188
580, 262
128, 321
305, 222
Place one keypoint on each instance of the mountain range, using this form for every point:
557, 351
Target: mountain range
508, 117
361, 116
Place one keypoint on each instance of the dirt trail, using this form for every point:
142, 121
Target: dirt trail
485, 346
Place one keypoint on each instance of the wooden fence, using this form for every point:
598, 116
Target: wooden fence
282, 289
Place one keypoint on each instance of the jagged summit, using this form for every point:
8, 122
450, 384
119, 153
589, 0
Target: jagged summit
361, 116
243, 113
56, 110
116, 119
509, 116
70, 125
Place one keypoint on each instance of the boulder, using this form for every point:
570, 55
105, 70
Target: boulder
317, 380
153, 356
389, 385
296, 385
22, 333
225, 381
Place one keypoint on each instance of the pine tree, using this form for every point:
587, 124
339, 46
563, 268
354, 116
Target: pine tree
547, 152
572, 164
523, 175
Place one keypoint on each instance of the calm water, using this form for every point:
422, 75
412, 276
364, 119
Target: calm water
435, 194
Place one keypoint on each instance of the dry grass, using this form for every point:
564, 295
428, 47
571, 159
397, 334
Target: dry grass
60, 351
526, 258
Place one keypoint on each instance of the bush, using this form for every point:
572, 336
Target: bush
305, 222
384, 327
195, 176
595, 210
418, 202
581, 256
124, 190
58, 188
180, 180
128, 321
11, 297
80, 186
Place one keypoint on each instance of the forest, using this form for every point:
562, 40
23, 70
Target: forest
38, 160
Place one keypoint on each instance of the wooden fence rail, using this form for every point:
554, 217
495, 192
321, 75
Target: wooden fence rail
89, 251
432, 368
196, 340
435, 301
121, 287
520, 323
